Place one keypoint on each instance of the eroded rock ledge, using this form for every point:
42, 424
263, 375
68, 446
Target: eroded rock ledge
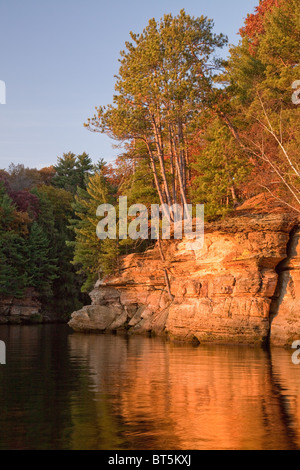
24, 310
285, 309
222, 293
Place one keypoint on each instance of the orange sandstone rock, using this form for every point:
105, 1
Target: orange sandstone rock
231, 291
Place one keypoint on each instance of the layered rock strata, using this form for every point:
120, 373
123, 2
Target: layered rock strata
242, 281
24, 310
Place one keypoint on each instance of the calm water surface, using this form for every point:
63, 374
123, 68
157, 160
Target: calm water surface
65, 391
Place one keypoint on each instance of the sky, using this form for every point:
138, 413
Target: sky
58, 60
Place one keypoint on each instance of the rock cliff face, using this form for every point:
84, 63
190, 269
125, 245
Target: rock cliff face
230, 291
285, 310
25, 310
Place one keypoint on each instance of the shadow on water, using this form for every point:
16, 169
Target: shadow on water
65, 391
284, 277
287, 418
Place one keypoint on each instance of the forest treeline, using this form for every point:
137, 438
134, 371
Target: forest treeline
192, 128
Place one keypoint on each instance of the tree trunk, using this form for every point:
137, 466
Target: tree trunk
160, 155
167, 280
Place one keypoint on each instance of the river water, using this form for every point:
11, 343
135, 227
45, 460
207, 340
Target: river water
61, 390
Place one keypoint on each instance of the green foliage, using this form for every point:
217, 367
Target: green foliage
91, 255
41, 269
13, 260
270, 67
34, 253
55, 211
220, 168
72, 171
7, 210
261, 71
13, 275
140, 186
185, 140
165, 78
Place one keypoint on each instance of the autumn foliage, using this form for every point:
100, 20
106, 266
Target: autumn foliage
254, 25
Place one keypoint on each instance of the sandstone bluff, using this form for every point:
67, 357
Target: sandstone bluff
242, 287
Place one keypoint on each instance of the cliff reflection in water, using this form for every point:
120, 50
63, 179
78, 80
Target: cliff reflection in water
65, 391
179, 397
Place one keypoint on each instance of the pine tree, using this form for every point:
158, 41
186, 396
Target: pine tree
220, 168
84, 167
72, 171
41, 268
92, 255
165, 77
7, 209
13, 228
55, 211
13, 261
